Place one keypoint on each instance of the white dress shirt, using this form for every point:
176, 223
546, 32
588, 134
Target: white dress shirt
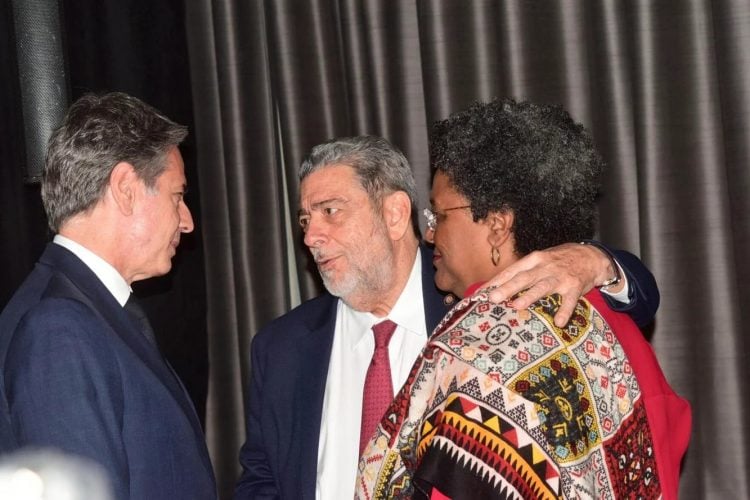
108, 275
353, 346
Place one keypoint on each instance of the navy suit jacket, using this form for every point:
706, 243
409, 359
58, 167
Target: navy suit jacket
77, 374
289, 363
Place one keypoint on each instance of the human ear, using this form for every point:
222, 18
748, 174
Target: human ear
123, 186
500, 226
397, 214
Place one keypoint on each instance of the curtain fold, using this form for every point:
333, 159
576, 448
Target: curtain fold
663, 86
243, 224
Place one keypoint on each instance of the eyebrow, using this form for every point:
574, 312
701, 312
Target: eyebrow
319, 204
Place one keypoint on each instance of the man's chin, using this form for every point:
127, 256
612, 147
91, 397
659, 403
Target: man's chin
164, 268
332, 288
153, 273
338, 288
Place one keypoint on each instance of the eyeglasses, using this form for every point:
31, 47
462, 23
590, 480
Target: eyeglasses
432, 217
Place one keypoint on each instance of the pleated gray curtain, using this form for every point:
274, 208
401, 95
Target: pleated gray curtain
241, 186
664, 86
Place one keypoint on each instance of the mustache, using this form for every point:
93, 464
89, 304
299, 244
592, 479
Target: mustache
318, 255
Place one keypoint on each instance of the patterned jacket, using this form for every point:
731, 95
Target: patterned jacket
503, 404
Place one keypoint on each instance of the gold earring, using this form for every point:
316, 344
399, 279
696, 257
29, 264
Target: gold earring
495, 256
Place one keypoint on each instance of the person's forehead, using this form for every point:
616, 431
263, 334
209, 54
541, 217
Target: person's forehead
441, 185
175, 167
332, 179
444, 191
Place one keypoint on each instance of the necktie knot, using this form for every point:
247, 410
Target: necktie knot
383, 332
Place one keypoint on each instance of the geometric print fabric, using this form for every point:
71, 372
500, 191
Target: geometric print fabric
518, 406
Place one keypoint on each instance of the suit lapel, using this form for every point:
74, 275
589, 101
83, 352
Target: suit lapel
83, 285
314, 353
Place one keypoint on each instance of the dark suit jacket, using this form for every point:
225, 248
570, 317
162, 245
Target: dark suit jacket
77, 374
289, 363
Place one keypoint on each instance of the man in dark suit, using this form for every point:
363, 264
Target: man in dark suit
358, 212
80, 370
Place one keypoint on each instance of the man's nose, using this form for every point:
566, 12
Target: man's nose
315, 234
186, 219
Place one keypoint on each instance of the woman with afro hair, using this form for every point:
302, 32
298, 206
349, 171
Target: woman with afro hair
502, 403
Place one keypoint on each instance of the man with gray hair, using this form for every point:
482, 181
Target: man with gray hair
324, 373
80, 368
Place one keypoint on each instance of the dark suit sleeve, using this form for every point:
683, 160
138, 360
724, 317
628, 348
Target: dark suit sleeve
642, 290
256, 480
63, 387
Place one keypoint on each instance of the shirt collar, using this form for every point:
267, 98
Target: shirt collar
408, 312
103, 270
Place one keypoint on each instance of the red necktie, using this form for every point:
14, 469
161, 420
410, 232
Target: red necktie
378, 392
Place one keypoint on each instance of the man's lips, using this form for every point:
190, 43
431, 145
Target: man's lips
173, 245
325, 262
